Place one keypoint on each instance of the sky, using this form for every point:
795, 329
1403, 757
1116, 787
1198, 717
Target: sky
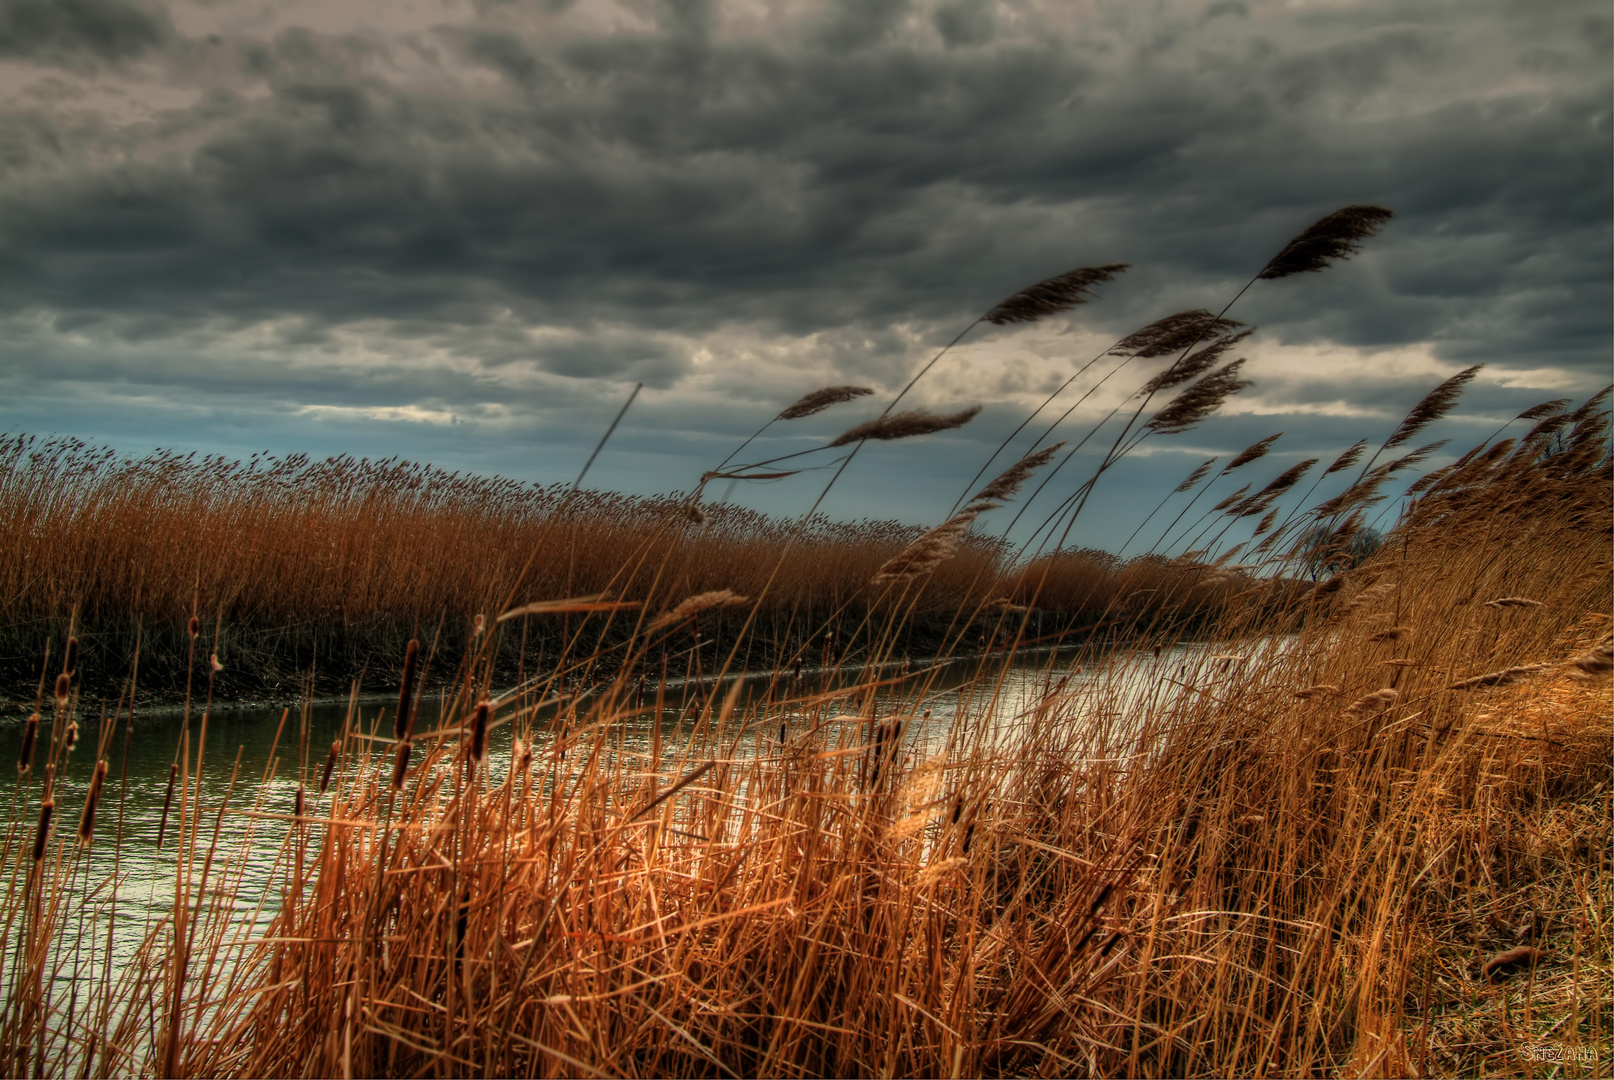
462, 232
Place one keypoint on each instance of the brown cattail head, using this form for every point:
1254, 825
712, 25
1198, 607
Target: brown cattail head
1196, 476
168, 801
70, 660
330, 766
1199, 400
1435, 404
819, 400
1337, 236
1007, 485
213, 662
42, 834
478, 624
479, 730
25, 755
193, 627
63, 685
1052, 296
86, 821
404, 720
694, 605
70, 737
297, 803
902, 425
400, 765
1252, 452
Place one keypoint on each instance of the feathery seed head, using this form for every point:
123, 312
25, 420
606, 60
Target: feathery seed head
902, 425
1052, 296
1337, 236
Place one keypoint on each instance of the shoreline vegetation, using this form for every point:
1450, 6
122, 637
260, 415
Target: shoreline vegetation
1382, 849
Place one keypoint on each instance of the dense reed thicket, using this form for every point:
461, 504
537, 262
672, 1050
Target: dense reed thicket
294, 563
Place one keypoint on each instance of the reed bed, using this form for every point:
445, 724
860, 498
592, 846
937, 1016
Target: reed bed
1318, 848
293, 563
1316, 814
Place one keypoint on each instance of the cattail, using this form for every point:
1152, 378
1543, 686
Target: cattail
297, 804
86, 821
781, 734
1173, 334
25, 755
926, 553
1435, 404
70, 737
1008, 484
42, 834
694, 605
1319, 688
1512, 601
213, 662
1595, 661
479, 730
1377, 701
70, 660
1337, 236
168, 800
193, 627
403, 722
902, 425
63, 685
1498, 678
819, 400
1052, 296
1199, 400
400, 765
330, 766
1196, 476
1252, 452
478, 624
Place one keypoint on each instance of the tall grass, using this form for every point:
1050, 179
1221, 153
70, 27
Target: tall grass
1261, 826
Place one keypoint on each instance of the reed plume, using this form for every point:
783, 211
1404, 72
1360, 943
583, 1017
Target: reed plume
904, 425
1376, 702
819, 400
1012, 479
691, 606
1231, 499
1435, 404
1052, 296
1252, 452
1337, 236
1350, 457
1198, 401
1191, 367
1545, 409
926, 553
1173, 334
1512, 601
1196, 476
1595, 661
1499, 678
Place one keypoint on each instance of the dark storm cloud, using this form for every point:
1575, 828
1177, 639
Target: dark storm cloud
471, 214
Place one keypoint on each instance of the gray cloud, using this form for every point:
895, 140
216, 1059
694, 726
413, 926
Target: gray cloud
466, 217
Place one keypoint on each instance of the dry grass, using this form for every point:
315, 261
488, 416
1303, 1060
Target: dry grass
1200, 863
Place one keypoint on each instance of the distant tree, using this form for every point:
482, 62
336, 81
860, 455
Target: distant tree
1321, 553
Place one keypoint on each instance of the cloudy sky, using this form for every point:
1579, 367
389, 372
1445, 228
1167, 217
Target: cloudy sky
461, 232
